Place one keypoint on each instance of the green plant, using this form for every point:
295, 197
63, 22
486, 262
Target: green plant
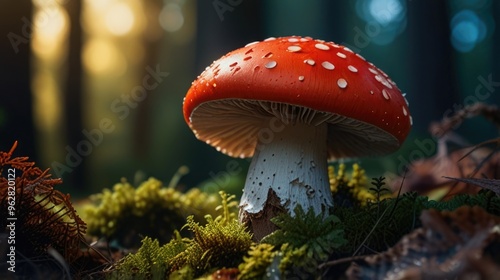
349, 190
151, 261
41, 219
320, 236
127, 213
222, 242
44, 217
255, 264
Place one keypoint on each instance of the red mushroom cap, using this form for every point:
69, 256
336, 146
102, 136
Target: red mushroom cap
366, 112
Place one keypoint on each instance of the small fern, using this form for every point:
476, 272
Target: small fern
378, 188
321, 236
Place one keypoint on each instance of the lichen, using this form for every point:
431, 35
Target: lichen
125, 212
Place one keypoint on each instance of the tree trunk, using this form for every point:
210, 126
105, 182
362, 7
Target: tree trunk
16, 116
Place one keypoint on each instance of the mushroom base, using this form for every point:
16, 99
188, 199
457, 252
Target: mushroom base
289, 168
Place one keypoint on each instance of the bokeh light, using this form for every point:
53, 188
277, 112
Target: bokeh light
171, 17
385, 18
119, 19
50, 29
386, 11
47, 101
467, 30
101, 57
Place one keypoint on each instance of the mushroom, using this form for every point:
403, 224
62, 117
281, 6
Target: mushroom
293, 103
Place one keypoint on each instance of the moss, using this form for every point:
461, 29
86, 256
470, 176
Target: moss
365, 219
255, 264
350, 189
222, 242
125, 212
151, 261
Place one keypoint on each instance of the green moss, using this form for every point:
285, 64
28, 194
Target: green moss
350, 189
125, 213
150, 262
367, 220
265, 261
222, 242
255, 264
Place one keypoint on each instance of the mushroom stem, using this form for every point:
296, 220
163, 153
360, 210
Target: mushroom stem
289, 168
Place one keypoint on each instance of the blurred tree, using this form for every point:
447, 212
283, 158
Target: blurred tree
73, 100
152, 44
16, 117
433, 79
496, 53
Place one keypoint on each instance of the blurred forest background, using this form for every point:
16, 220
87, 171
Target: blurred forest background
93, 89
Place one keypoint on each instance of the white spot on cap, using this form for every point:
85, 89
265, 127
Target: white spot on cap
294, 48
405, 112
322, 47
328, 65
411, 120
271, 64
385, 94
352, 68
373, 71
341, 55
270, 39
358, 55
310, 62
301, 78
304, 40
383, 81
348, 50
342, 83
293, 40
252, 43
371, 92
